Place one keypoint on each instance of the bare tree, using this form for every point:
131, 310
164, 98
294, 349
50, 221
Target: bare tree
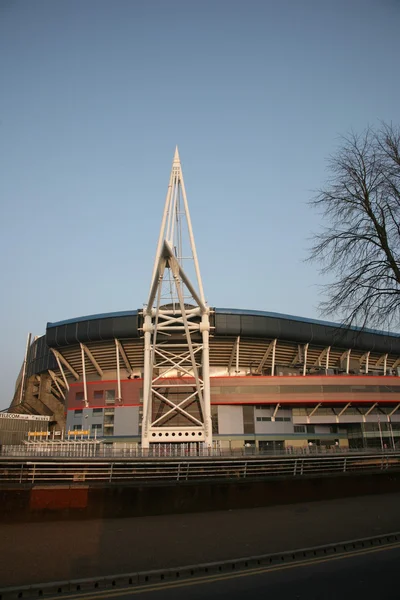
360, 247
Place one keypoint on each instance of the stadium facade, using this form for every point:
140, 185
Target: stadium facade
179, 371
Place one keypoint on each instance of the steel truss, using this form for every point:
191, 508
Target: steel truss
176, 386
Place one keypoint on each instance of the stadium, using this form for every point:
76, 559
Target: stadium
180, 372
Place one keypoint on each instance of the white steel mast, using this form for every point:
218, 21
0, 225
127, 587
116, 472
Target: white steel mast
176, 386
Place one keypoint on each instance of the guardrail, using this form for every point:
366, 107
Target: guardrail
89, 449
121, 584
28, 472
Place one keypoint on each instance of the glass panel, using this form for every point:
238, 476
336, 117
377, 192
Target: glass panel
110, 396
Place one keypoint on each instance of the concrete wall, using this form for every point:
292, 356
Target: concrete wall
230, 420
126, 420
276, 427
110, 501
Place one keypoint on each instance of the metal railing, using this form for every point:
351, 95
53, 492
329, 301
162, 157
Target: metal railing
92, 449
173, 470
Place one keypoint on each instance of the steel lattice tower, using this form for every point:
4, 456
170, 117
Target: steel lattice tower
176, 387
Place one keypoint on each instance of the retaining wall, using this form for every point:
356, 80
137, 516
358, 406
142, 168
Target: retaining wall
38, 503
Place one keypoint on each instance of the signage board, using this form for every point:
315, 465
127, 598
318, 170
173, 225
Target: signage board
23, 417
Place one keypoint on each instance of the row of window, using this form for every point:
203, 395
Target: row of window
277, 419
269, 390
107, 395
311, 429
96, 411
95, 426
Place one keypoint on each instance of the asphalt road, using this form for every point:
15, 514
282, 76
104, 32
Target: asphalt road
367, 575
58, 551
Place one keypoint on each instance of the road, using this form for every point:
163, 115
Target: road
367, 574
58, 551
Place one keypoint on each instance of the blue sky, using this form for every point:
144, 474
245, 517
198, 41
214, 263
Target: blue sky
94, 96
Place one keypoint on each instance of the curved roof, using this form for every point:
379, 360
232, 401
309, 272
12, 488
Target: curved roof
250, 323
93, 328
256, 328
227, 322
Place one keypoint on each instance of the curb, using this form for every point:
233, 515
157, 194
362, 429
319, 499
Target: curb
94, 584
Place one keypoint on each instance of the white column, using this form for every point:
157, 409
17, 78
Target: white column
61, 370
273, 357
147, 327
328, 353
84, 375
205, 329
118, 371
28, 343
305, 359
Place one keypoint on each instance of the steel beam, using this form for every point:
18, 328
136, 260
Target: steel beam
61, 370
266, 354
273, 358
394, 410
369, 410
382, 359
344, 409
396, 363
365, 357
322, 354
234, 353
347, 355
65, 363
297, 356
57, 383
92, 360
275, 412
124, 356
85, 396
328, 355
305, 353
314, 410
118, 371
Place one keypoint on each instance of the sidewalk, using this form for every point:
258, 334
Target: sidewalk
40, 552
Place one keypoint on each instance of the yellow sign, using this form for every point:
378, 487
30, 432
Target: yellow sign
79, 432
38, 433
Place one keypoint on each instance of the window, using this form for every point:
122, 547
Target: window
248, 419
264, 419
310, 428
214, 416
97, 411
299, 428
96, 426
110, 396
98, 395
77, 427
79, 396
78, 412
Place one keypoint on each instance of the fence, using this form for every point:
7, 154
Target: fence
41, 471
93, 449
